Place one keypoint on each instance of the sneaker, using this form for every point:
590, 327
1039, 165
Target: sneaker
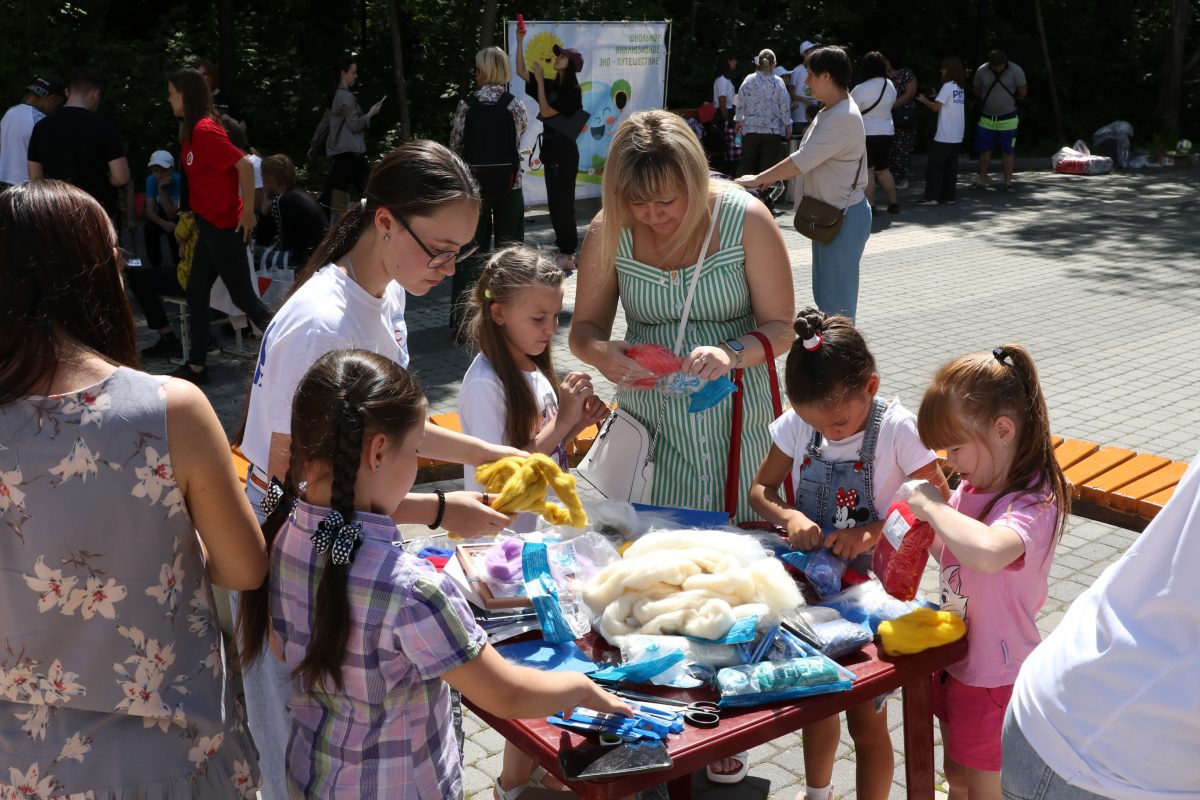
894, 208
927, 202
185, 372
978, 183
167, 346
566, 262
902, 184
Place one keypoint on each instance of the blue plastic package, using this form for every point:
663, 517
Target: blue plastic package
539, 584
710, 394
823, 569
842, 637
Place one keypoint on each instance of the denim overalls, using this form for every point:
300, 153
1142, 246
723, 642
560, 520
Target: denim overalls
848, 484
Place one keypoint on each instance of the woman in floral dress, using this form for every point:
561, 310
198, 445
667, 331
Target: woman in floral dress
112, 671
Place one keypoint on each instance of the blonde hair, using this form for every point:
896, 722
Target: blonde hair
653, 154
508, 272
493, 66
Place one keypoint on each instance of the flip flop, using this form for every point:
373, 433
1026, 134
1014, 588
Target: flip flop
731, 777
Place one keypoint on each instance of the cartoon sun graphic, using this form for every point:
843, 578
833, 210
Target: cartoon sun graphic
540, 49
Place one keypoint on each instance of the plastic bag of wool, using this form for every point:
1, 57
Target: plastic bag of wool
691, 583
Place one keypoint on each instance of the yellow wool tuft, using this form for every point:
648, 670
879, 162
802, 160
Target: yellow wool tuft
520, 484
922, 629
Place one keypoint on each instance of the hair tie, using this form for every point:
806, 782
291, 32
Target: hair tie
272, 498
813, 343
487, 294
338, 536
363, 203
1000, 354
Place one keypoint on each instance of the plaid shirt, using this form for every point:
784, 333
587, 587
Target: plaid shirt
388, 732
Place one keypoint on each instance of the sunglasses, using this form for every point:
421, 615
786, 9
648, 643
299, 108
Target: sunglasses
445, 257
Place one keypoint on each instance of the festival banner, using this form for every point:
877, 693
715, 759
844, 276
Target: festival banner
624, 71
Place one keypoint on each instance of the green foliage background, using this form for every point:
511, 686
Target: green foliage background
1107, 55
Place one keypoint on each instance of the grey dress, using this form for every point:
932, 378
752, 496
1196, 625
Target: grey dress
112, 669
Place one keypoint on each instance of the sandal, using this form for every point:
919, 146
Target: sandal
737, 776
538, 778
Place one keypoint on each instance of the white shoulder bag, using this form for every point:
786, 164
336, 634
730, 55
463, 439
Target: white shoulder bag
620, 464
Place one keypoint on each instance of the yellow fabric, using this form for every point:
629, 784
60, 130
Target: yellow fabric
520, 484
186, 233
920, 630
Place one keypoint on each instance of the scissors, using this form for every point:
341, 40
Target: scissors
698, 713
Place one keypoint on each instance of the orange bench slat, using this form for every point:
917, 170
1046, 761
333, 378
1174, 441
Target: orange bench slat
1095, 465
447, 421
1072, 451
1098, 489
240, 463
1056, 440
1126, 498
1150, 506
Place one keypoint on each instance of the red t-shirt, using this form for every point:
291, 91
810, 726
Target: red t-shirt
212, 178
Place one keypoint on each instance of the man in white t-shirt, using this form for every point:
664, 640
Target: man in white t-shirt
42, 97
804, 105
1108, 706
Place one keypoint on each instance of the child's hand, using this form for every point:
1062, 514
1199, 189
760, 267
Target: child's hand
594, 410
592, 696
850, 542
922, 496
467, 516
575, 391
803, 533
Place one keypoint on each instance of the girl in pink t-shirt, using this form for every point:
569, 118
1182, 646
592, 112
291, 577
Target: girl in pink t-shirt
996, 540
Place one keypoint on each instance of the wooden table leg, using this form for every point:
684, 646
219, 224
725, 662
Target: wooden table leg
918, 738
680, 788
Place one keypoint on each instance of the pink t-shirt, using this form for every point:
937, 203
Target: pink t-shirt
1001, 608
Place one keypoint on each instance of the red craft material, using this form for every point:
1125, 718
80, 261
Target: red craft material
902, 552
656, 358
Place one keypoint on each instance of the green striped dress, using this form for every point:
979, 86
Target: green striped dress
692, 450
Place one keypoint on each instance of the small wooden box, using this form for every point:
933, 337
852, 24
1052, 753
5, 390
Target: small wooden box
471, 557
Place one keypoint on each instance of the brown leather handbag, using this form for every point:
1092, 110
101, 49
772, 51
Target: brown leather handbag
820, 221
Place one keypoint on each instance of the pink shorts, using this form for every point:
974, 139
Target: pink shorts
973, 717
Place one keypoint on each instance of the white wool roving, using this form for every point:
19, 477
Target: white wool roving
691, 583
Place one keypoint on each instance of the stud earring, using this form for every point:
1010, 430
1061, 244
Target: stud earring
380, 466
387, 237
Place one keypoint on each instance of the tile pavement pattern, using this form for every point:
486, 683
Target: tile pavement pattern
1097, 276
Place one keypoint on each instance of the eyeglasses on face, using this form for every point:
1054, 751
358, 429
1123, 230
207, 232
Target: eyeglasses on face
445, 257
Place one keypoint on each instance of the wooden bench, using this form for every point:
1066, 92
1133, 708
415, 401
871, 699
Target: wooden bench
1114, 485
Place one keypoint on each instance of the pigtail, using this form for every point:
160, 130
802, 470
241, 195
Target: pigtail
331, 624
254, 606
828, 360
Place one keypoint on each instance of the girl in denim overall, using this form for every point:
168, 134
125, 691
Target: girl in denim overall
847, 453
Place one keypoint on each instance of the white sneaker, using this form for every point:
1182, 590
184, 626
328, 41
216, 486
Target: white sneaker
566, 262
902, 184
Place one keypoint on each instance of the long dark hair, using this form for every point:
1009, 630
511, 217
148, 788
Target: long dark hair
61, 274
414, 180
835, 362
966, 397
344, 63
724, 68
954, 70
197, 101
506, 274
344, 397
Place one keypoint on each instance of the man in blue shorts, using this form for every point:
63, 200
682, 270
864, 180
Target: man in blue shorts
1000, 83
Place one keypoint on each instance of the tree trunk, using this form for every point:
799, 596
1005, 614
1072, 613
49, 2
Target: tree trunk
398, 70
1058, 123
1173, 67
487, 25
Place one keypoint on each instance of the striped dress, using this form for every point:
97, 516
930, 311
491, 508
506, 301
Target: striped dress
692, 450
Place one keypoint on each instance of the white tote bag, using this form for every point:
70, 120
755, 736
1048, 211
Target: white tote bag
620, 464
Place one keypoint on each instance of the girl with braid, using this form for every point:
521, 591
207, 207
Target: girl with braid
374, 636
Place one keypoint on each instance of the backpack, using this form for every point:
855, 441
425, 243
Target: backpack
490, 146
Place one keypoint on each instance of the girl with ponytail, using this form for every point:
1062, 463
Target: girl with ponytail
405, 237
846, 453
373, 636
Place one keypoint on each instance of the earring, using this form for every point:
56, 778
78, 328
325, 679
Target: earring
380, 466
387, 237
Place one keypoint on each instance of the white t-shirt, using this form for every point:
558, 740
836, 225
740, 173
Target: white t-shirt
15, 129
483, 410
951, 123
1111, 699
898, 450
799, 75
256, 162
329, 312
879, 121
723, 87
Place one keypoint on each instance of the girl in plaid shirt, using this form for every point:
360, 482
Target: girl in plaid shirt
374, 636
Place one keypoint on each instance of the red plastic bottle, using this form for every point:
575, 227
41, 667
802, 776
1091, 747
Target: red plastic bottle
902, 552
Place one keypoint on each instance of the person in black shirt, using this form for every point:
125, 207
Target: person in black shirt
224, 105
300, 223
78, 146
560, 109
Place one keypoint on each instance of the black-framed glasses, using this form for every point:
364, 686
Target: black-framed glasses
446, 256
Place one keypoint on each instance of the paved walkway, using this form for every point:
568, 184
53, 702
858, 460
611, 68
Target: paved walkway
1097, 276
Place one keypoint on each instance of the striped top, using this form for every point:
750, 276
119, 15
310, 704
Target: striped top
692, 450
387, 733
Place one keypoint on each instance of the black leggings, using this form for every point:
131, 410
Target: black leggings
220, 253
561, 166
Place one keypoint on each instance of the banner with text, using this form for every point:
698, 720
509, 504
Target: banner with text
624, 71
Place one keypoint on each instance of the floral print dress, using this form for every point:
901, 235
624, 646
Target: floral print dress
112, 669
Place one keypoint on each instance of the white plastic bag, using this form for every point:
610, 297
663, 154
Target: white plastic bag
1078, 160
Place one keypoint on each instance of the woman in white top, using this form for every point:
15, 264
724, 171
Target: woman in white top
831, 163
875, 95
724, 100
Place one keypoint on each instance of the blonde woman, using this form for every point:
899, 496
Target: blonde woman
487, 132
642, 249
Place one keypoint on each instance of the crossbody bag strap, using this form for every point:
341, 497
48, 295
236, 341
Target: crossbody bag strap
878, 100
853, 186
736, 429
687, 308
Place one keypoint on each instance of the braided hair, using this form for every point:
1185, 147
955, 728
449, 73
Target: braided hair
345, 397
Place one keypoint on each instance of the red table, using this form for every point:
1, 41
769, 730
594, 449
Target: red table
744, 729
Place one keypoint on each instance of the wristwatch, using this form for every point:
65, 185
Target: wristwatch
736, 348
